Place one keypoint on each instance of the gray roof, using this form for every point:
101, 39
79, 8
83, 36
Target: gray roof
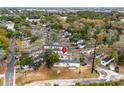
70, 61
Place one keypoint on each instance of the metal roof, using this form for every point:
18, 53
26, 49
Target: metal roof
70, 61
107, 59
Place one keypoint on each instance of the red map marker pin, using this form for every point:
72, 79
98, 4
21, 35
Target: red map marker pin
64, 50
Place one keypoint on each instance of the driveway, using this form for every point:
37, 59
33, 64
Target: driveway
108, 75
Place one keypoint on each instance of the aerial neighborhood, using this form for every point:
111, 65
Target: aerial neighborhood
55, 46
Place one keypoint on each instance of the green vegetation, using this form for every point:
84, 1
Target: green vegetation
82, 59
103, 27
111, 83
121, 59
4, 41
25, 60
50, 58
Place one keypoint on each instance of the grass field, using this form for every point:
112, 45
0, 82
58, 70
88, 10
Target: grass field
1, 81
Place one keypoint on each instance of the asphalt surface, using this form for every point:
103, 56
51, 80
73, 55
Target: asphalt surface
108, 75
9, 75
64, 82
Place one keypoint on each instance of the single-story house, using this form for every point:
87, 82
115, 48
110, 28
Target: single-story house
8, 24
98, 55
66, 34
89, 50
106, 61
31, 19
63, 18
68, 63
58, 50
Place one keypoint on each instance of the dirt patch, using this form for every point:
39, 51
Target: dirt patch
3, 67
121, 69
50, 74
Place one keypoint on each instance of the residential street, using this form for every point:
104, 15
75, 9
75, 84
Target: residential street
9, 75
64, 82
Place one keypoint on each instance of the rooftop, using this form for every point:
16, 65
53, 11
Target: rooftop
107, 59
70, 61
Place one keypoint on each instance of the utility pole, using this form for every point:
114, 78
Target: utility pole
94, 56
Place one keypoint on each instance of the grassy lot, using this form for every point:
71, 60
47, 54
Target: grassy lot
49, 74
121, 69
2, 71
2, 68
1, 81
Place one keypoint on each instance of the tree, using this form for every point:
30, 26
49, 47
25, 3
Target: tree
3, 32
75, 37
4, 42
13, 33
26, 61
54, 36
50, 58
82, 59
121, 59
34, 38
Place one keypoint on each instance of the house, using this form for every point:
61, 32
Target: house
122, 20
63, 18
89, 50
80, 46
66, 34
58, 50
65, 58
106, 61
98, 55
71, 64
26, 42
9, 24
33, 19
80, 41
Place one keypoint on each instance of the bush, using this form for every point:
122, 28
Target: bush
112, 83
121, 59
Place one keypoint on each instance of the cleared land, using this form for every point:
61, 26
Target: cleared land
50, 74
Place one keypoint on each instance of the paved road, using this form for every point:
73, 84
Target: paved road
109, 75
64, 82
9, 75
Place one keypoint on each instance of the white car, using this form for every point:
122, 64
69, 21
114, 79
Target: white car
88, 50
80, 41
81, 46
